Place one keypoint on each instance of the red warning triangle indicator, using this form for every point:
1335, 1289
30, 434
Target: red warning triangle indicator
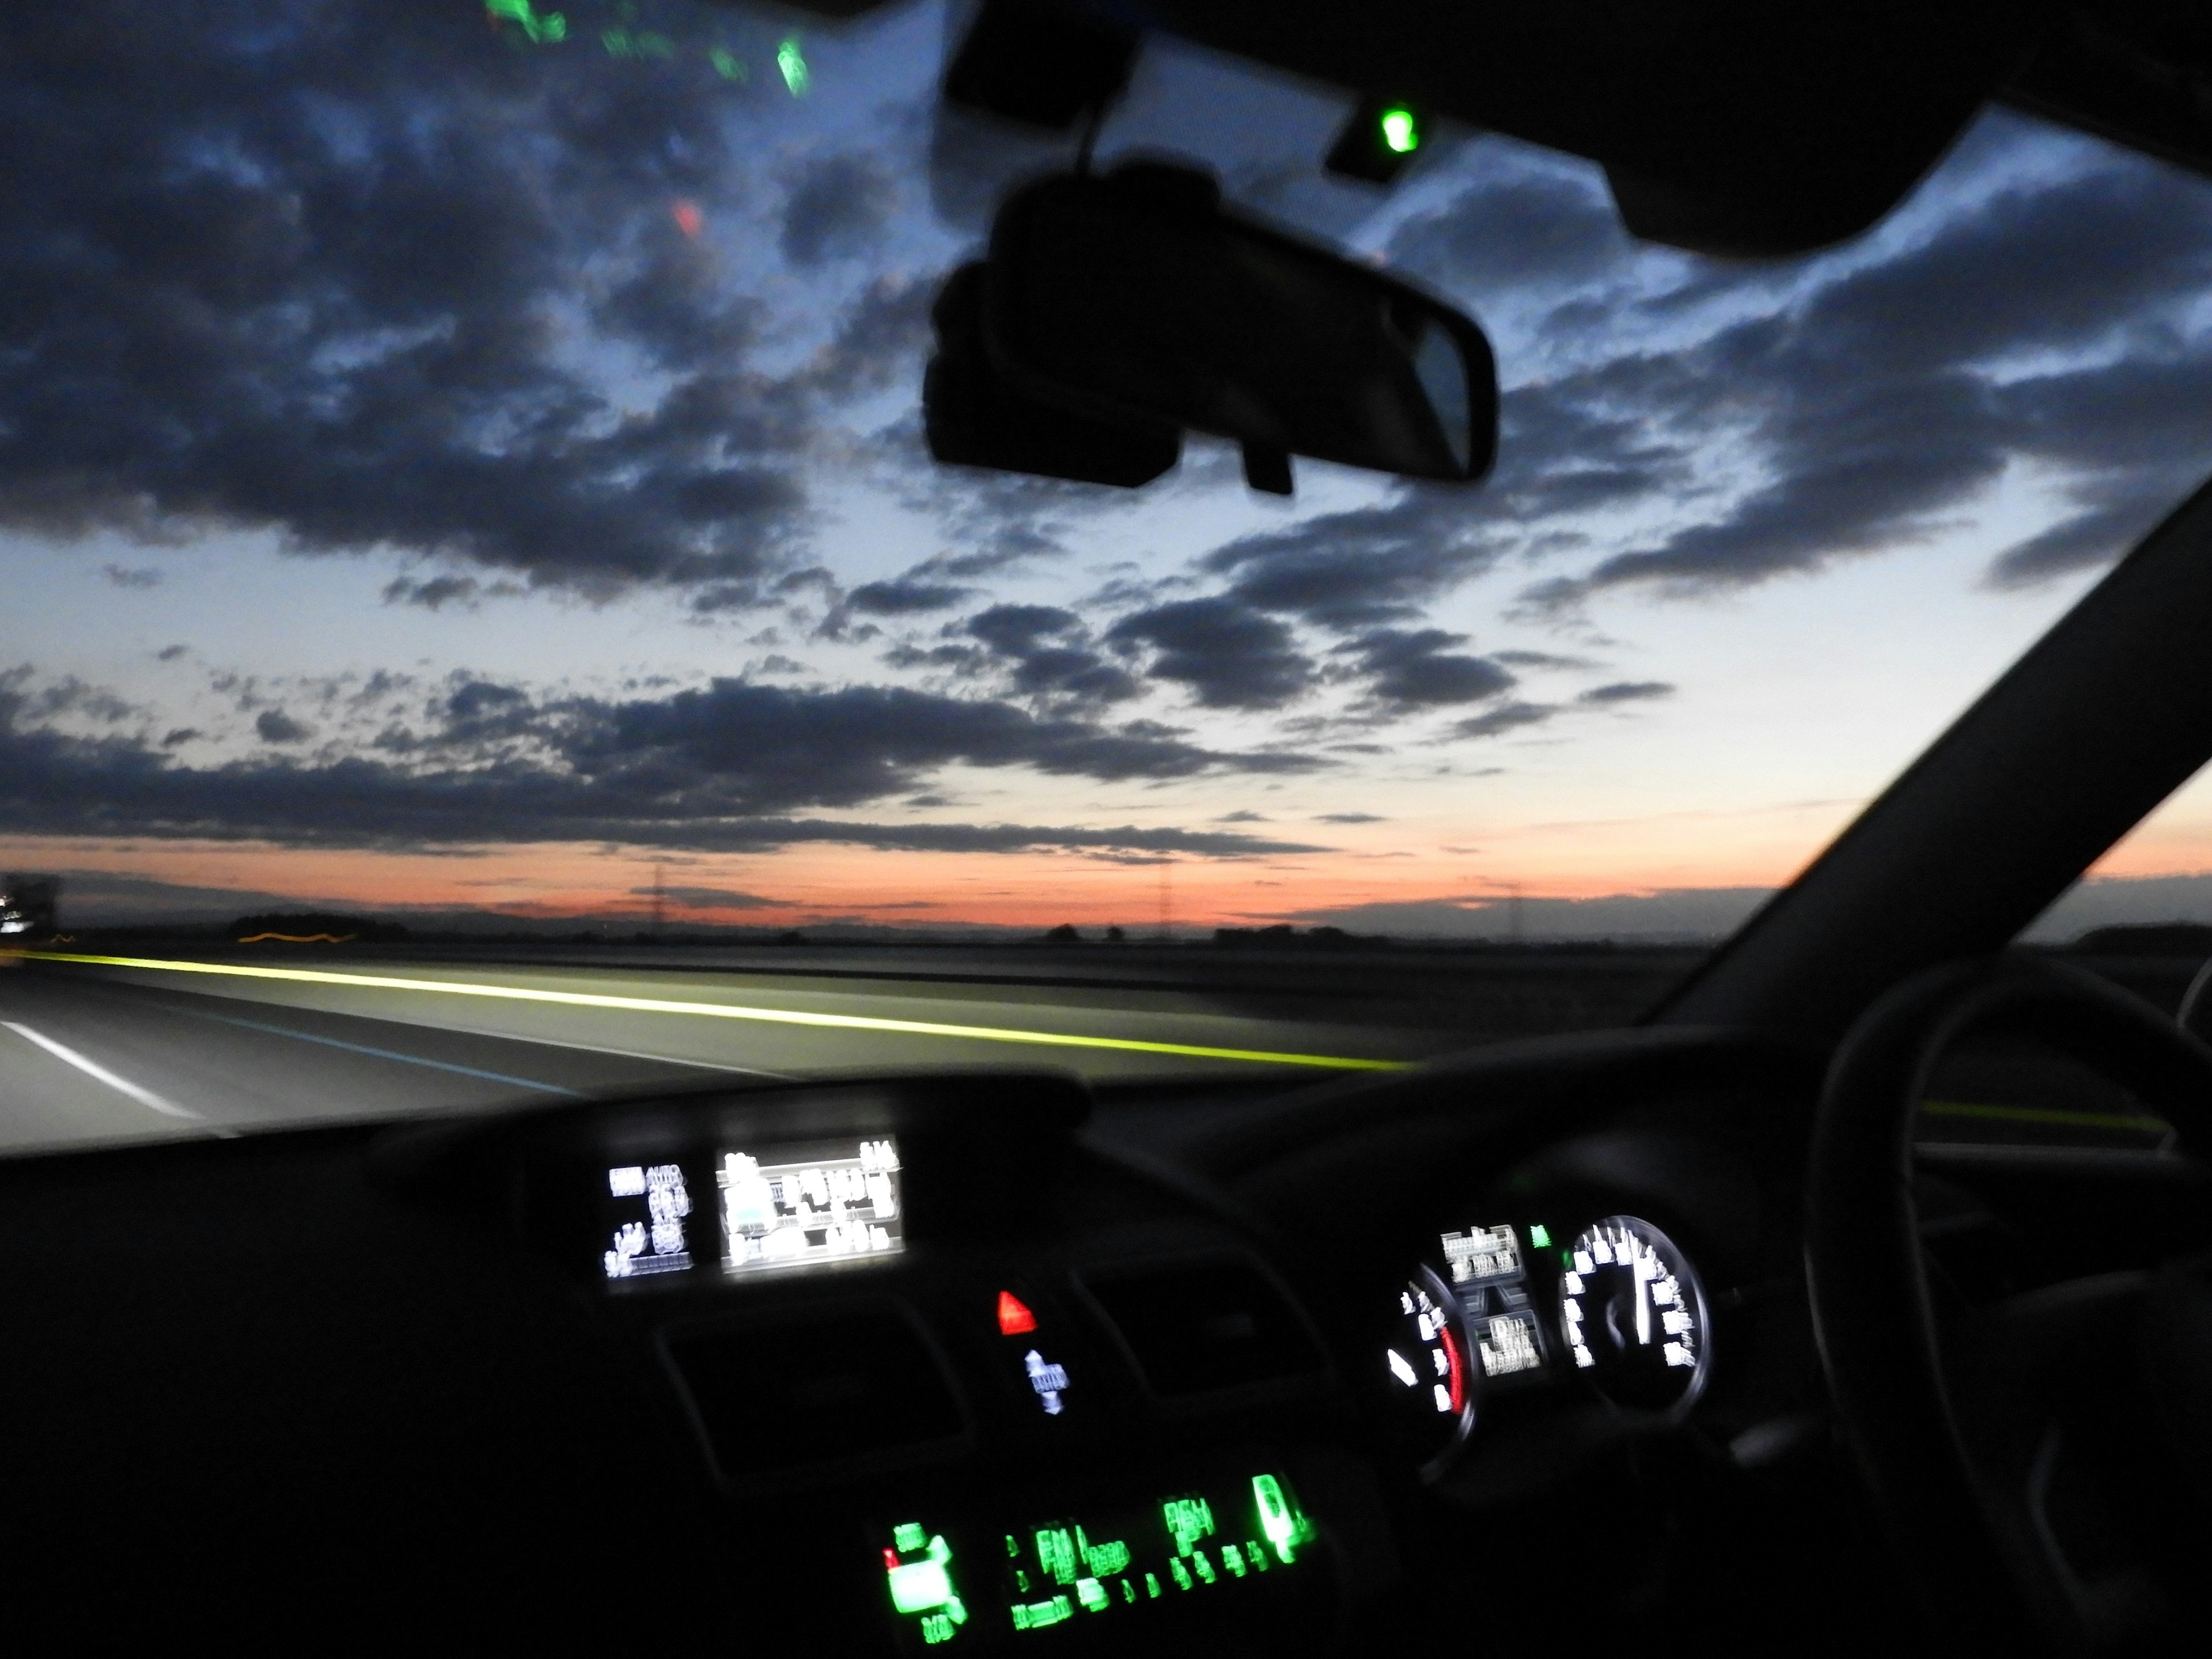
1014, 1317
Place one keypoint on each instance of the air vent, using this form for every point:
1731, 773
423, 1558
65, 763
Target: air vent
1203, 1327
779, 1395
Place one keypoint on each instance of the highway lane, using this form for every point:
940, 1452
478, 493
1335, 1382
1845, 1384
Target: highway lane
92, 1052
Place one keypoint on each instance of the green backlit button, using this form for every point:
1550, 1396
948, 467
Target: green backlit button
1037, 1615
924, 1588
920, 1586
1092, 1594
1286, 1526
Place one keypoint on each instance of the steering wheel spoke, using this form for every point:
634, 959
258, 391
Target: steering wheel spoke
2041, 1461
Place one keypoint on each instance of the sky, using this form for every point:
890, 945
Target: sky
443, 470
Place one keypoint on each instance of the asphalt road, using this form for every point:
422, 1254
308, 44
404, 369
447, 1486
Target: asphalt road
96, 1051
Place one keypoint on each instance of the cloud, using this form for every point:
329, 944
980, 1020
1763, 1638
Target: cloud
1508, 717
365, 278
123, 576
710, 898
1361, 566
1526, 222
1680, 914
727, 767
2052, 322
836, 207
911, 594
1627, 691
1350, 818
1050, 655
434, 593
275, 726
1412, 671
1228, 654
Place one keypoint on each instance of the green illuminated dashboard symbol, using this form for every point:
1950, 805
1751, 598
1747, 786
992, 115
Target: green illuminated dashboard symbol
792, 62
924, 1589
1401, 131
1285, 1525
1189, 1520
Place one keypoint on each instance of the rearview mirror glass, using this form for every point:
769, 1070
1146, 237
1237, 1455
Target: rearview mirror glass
1136, 294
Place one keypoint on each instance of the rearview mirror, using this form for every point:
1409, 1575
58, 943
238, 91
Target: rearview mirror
1136, 296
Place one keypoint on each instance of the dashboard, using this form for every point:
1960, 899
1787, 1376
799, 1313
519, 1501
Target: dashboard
1510, 1352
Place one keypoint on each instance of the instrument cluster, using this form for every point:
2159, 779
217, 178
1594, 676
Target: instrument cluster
1609, 1310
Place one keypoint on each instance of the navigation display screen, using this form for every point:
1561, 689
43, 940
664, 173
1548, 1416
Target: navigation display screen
801, 1205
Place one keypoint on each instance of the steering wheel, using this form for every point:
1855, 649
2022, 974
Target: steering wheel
2043, 1465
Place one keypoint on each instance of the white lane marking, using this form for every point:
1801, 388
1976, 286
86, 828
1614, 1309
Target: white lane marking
597, 1048
146, 1098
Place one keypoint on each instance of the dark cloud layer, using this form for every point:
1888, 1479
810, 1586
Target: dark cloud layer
837, 207
1049, 654
2048, 325
1228, 654
317, 269
1413, 669
726, 767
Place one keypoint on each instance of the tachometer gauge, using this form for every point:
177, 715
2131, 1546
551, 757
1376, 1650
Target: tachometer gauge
1632, 1313
1427, 1371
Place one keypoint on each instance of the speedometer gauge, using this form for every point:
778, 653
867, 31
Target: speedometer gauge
1633, 1315
1427, 1371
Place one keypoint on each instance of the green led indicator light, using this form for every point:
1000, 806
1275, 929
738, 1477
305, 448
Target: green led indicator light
539, 27
1540, 1236
1128, 1590
1280, 1520
1401, 130
792, 62
1151, 1586
1181, 1573
727, 63
1092, 1594
909, 1537
1205, 1567
1256, 1556
1233, 1558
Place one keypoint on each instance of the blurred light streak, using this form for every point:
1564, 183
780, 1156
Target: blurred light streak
726, 1010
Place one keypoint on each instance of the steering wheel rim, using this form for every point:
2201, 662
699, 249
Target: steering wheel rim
1874, 1318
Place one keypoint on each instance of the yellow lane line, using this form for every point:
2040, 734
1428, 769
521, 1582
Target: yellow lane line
726, 1011
2113, 1120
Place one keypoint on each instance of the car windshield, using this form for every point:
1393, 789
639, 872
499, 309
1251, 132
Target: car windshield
481, 620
